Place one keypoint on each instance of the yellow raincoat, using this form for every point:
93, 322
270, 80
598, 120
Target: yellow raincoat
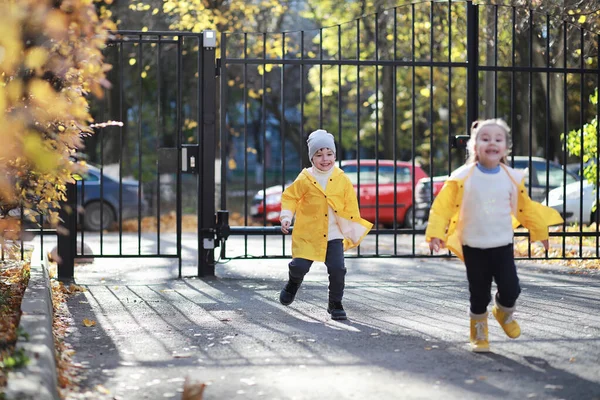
447, 208
306, 198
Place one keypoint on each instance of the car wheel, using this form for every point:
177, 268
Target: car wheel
594, 217
92, 216
408, 218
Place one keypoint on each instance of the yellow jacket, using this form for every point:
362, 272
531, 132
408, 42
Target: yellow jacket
447, 207
306, 198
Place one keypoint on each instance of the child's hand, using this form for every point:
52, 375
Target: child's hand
545, 243
285, 226
436, 244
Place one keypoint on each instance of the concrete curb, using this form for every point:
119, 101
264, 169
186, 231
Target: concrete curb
38, 380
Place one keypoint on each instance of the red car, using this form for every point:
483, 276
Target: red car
376, 197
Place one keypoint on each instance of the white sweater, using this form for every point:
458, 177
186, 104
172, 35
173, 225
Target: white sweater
486, 220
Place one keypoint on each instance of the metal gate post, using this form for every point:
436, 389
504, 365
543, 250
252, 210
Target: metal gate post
67, 243
472, 63
207, 141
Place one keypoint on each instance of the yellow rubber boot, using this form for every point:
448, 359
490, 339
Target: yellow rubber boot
504, 316
479, 333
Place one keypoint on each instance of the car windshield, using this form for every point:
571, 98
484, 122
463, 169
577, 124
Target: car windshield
368, 174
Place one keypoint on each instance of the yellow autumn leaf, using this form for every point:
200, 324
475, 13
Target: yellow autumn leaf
56, 24
460, 102
425, 92
132, 61
88, 322
581, 19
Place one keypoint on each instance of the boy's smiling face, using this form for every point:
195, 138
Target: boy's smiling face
324, 159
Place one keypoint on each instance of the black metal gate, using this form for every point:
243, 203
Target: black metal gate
398, 87
156, 163
398, 101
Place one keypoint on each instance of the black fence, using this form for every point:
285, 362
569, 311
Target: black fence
398, 89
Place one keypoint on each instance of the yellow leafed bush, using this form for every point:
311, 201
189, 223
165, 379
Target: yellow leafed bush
51, 60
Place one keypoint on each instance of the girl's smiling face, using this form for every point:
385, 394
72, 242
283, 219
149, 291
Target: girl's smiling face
490, 146
324, 159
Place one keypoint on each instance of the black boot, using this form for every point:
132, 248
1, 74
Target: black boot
288, 293
336, 310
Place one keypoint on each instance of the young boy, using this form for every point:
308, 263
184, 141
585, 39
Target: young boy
328, 221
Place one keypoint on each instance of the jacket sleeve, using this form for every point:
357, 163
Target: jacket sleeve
441, 211
292, 195
535, 217
350, 199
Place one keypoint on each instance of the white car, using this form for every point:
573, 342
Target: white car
568, 202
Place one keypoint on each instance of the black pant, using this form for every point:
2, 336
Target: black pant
483, 265
334, 260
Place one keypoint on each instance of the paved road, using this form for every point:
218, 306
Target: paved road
405, 339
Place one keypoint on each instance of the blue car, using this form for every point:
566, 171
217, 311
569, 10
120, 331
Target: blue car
101, 208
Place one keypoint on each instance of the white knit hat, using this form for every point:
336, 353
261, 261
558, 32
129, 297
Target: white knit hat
319, 139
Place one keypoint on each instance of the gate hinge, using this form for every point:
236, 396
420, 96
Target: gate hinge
218, 67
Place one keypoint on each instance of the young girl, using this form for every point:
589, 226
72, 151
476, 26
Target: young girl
327, 222
474, 216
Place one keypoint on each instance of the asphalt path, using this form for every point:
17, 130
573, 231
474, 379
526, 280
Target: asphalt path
406, 337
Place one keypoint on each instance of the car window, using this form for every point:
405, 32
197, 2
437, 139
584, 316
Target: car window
386, 174
556, 175
90, 177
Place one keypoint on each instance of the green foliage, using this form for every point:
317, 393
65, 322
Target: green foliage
16, 360
584, 143
21, 333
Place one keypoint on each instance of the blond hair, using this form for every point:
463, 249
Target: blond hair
476, 127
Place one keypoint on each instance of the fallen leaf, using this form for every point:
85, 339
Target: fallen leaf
89, 322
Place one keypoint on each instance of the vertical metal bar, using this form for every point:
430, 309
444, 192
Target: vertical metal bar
472, 63
413, 108
201, 177
82, 203
431, 85
159, 136
496, 61
245, 80
513, 116
449, 89
282, 126
548, 120
122, 143
67, 243
358, 114
581, 149
222, 110
530, 112
302, 137
377, 204
597, 167
178, 132
394, 137
140, 176
101, 133
321, 78
339, 96
566, 130
263, 112
206, 264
